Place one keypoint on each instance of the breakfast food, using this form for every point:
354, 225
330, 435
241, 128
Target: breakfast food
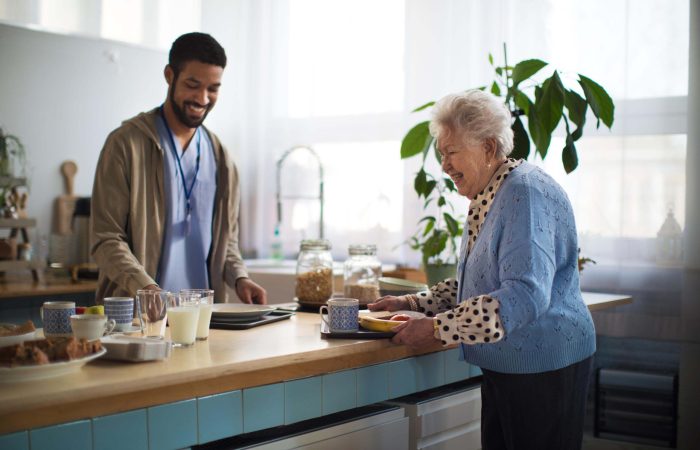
45, 351
401, 317
8, 329
315, 286
379, 324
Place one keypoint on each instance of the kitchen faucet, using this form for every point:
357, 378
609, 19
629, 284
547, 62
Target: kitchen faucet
320, 185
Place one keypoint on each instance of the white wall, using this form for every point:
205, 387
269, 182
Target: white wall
62, 95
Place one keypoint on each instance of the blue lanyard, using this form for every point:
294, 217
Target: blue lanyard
188, 193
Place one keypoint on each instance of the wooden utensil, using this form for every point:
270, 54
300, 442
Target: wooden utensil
65, 204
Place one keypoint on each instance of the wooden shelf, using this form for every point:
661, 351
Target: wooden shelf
17, 223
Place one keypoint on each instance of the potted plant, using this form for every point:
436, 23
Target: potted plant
437, 235
537, 108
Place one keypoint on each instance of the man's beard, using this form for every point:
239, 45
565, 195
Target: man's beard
180, 112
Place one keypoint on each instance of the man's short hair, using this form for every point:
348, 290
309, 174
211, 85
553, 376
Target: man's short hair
196, 47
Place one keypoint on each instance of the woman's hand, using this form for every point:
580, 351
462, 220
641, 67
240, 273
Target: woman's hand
415, 333
389, 303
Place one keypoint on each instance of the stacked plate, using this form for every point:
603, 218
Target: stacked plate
238, 312
399, 286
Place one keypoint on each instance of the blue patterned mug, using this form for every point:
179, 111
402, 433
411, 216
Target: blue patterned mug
56, 318
342, 314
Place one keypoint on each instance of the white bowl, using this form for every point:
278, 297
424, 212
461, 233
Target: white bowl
399, 286
17, 339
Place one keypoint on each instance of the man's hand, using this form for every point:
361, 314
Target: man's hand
250, 292
415, 333
152, 287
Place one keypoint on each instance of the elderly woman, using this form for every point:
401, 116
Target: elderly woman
516, 307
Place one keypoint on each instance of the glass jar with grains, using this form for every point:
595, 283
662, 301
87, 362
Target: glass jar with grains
314, 271
361, 273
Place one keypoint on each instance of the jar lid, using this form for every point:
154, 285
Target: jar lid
315, 244
362, 249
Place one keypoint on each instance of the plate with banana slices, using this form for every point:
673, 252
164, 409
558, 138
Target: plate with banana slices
385, 321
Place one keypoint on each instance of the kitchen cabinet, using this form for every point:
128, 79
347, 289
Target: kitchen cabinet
445, 418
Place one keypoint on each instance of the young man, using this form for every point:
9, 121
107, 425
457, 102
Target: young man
165, 198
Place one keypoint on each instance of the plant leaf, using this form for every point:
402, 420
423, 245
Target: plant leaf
434, 245
428, 228
495, 89
525, 69
449, 185
499, 70
601, 103
490, 59
521, 140
452, 224
522, 101
550, 105
441, 201
568, 155
416, 140
422, 107
540, 136
429, 187
420, 182
577, 108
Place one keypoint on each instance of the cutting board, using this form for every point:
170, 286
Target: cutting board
65, 204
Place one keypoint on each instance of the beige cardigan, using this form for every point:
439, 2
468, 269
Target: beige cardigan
128, 212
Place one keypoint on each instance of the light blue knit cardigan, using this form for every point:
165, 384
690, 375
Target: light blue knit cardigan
526, 257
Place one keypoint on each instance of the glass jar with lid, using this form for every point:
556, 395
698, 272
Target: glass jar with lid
314, 282
361, 273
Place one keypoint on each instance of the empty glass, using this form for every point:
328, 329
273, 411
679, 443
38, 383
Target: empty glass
206, 300
152, 305
183, 315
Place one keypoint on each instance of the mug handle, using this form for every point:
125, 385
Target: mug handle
109, 326
323, 318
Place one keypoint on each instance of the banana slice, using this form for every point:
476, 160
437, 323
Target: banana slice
383, 325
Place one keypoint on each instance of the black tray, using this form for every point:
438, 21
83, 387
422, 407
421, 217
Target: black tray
361, 333
272, 316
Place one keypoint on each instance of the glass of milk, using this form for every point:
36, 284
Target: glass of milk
206, 300
183, 316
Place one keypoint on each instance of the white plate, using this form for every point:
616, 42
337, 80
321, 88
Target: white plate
19, 338
240, 310
130, 329
381, 314
41, 371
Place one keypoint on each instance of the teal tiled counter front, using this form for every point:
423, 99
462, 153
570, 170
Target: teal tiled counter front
204, 419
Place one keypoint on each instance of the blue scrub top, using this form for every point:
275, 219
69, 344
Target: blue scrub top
183, 262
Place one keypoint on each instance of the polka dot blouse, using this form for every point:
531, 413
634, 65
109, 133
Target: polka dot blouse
475, 320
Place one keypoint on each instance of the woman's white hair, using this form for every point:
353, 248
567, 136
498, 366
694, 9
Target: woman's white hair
475, 116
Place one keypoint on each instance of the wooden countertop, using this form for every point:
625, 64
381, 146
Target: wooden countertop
228, 360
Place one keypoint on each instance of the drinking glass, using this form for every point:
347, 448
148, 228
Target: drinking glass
205, 300
153, 311
183, 315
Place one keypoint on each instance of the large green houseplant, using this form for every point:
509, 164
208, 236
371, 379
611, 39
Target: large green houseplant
537, 108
